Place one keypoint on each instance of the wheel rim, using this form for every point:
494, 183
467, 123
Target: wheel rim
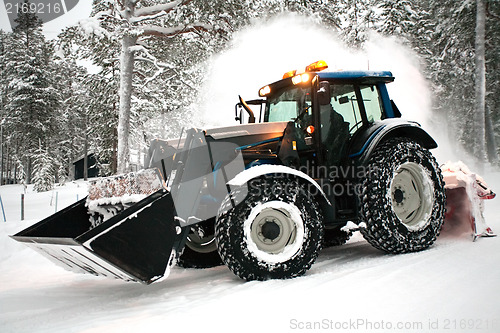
412, 196
201, 243
274, 231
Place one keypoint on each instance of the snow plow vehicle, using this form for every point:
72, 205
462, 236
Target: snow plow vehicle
327, 149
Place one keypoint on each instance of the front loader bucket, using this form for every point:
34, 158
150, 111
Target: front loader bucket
137, 244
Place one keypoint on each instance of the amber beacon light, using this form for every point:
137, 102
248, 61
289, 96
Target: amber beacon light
298, 76
317, 66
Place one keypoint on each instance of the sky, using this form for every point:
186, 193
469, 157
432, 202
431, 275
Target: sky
52, 28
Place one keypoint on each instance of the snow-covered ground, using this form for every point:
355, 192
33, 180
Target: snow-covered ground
453, 286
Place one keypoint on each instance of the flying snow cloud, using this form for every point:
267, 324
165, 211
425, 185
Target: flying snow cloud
261, 53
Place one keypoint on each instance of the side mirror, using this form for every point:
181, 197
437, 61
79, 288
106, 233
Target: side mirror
324, 97
237, 113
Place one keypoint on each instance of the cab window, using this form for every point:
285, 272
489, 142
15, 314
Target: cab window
344, 102
339, 120
288, 104
372, 102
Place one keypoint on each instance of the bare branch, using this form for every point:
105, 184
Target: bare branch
117, 5
145, 60
154, 76
180, 78
148, 56
166, 7
147, 17
150, 30
141, 75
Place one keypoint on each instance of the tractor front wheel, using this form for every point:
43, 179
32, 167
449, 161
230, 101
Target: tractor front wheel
275, 232
200, 250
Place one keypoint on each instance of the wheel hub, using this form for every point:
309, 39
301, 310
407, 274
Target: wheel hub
412, 195
200, 242
272, 230
399, 196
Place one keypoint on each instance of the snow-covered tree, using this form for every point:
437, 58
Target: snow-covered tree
95, 93
69, 78
32, 100
134, 23
357, 17
4, 153
43, 170
453, 71
397, 17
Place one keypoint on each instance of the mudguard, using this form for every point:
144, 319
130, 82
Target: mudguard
365, 142
243, 177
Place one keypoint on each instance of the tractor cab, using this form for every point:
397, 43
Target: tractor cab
328, 109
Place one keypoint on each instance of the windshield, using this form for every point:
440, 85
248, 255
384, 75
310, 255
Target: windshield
288, 104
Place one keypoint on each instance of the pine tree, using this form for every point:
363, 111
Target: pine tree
97, 93
43, 170
72, 110
397, 18
357, 16
32, 100
5, 42
454, 72
452, 65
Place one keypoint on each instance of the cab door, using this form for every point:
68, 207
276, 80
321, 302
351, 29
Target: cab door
351, 107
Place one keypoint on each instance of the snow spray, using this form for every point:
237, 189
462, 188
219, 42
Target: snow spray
261, 53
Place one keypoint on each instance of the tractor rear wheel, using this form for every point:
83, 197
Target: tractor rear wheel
403, 199
275, 232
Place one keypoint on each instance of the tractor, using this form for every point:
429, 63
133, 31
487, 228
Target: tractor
319, 155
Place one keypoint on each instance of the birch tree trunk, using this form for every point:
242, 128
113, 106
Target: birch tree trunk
480, 84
